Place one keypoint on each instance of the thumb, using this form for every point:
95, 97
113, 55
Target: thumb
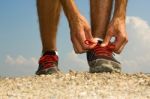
106, 40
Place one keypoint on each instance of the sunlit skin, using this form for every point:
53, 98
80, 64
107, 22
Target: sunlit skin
48, 13
80, 29
117, 27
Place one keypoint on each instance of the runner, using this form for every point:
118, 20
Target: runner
93, 40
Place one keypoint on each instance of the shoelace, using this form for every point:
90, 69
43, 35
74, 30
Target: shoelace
98, 50
48, 60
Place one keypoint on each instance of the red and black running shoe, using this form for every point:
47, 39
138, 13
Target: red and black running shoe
101, 59
48, 63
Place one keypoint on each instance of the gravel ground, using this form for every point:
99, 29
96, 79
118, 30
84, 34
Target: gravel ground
77, 85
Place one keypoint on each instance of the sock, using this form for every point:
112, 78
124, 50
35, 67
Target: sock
50, 53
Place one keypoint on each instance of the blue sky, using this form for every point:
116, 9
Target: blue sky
20, 45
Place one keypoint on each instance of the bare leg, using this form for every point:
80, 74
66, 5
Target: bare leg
100, 17
48, 13
101, 58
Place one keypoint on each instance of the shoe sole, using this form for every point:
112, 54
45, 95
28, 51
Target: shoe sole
103, 65
48, 71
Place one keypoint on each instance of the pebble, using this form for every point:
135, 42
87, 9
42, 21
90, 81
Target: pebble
77, 85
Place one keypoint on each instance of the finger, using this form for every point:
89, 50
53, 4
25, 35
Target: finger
88, 33
122, 47
92, 41
77, 47
106, 40
81, 39
120, 50
95, 40
90, 46
119, 42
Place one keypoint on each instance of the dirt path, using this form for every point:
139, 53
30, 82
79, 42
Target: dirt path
77, 85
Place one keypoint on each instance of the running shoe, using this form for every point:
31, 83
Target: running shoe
101, 59
48, 63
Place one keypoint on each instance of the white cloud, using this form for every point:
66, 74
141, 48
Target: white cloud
136, 56
9, 60
140, 27
74, 57
74, 62
20, 60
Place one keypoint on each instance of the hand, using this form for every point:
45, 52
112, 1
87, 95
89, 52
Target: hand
116, 29
80, 32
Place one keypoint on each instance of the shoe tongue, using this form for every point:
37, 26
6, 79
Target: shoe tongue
99, 42
49, 53
109, 47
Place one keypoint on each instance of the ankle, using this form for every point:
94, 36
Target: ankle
50, 52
